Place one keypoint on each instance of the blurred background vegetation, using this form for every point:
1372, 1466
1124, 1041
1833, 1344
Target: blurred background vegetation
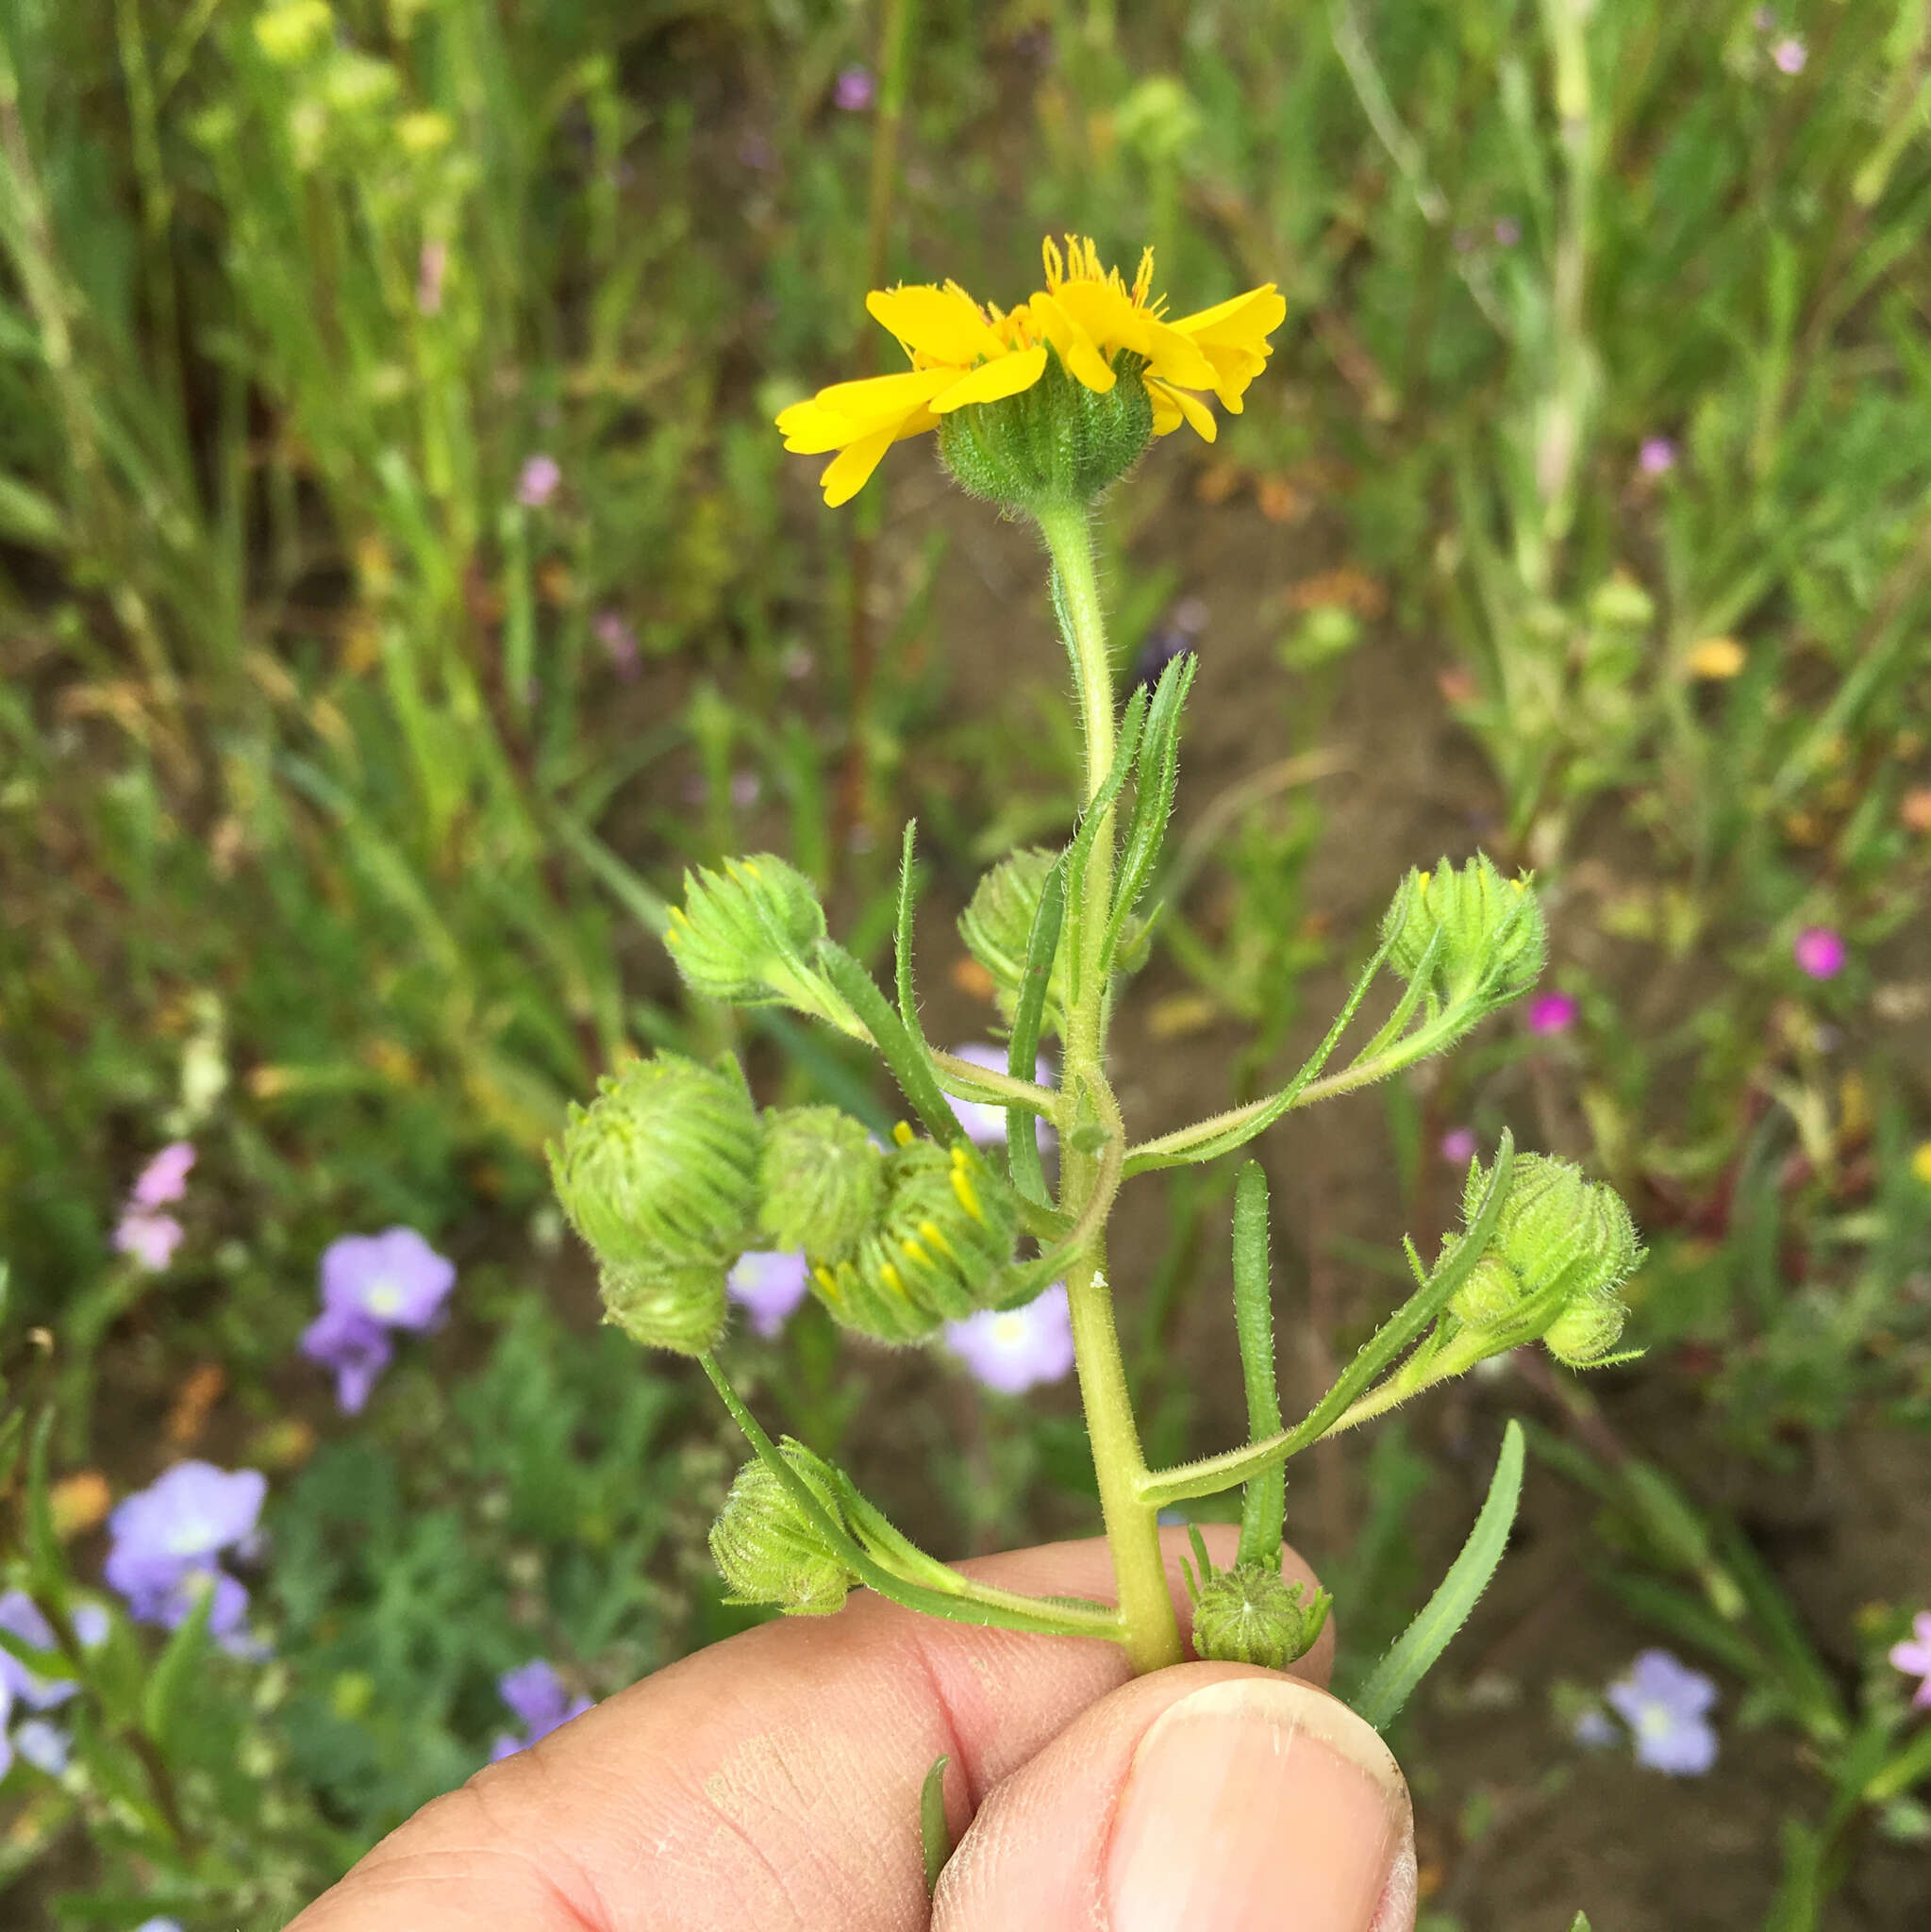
401, 582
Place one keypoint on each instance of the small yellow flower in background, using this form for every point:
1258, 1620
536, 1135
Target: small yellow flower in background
1716, 657
1100, 329
1921, 1162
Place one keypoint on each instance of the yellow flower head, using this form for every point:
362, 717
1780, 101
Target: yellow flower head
1097, 328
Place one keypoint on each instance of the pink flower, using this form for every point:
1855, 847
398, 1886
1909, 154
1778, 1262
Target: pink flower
1789, 54
537, 481
1657, 457
1819, 952
151, 1239
1552, 1012
1914, 1658
619, 639
856, 90
1457, 1146
165, 1177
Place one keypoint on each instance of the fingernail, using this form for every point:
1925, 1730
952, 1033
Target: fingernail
1260, 1803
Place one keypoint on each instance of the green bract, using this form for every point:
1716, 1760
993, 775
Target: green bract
749, 937
940, 1250
1057, 442
769, 1551
1251, 1615
659, 1176
1491, 939
823, 1181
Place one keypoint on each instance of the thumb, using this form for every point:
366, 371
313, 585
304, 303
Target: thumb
1207, 1795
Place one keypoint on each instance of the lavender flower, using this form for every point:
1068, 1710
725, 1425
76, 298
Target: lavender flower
1913, 1657
768, 1286
356, 1346
616, 636
1663, 1702
854, 90
165, 1539
395, 1277
43, 1746
20, 1616
1457, 1146
150, 1239
1790, 55
163, 1925
985, 1125
1657, 457
165, 1177
1819, 952
1507, 231
1552, 1013
1594, 1731
537, 481
539, 1696
1016, 1349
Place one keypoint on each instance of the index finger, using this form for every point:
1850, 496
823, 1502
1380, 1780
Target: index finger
771, 1780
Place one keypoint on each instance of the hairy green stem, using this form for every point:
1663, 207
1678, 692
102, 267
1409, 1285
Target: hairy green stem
1149, 1633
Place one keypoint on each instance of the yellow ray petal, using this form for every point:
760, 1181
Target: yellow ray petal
848, 411
1167, 416
1176, 358
1106, 315
1196, 412
1005, 377
847, 472
1083, 362
1248, 319
943, 324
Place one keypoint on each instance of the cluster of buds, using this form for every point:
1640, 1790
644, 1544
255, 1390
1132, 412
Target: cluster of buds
1480, 935
1561, 1250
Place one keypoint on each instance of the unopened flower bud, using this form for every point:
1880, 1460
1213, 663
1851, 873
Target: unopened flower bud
822, 1180
749, 936
1251, 1615
659, 1176
769, 1551
1057, 443
1586, 1330
997, 927
1492, 936
938, 1250
1490, 1296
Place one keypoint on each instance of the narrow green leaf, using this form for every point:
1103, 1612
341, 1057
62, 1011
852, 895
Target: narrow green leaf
1263, 1503
44, 1566
934, 1833
1157, 775
1392, 1680
1131, 725
910, 1059
901, 939
1022, 1054
175, 1672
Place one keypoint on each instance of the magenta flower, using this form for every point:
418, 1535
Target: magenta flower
395, 1277
356, 1346
1013, 1349
1457, 1146
1819, 952
1790, 55
984, 1125
1664, 1703
1913, 1657
767, 1287
539, 1696
165, 1177
165, 1539
150, 1239
1657, 457
1552, 1012
854, 90
537, 481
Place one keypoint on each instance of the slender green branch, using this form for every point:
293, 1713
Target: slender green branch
970, 1081
1264, 1507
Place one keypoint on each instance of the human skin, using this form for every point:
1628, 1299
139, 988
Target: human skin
771, 1784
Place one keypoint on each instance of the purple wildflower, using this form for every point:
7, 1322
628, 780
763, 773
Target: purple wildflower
44, 1745
985, 1125
356, 1346
161, 1924
537, 481
1457, 1146
395, 1277
616, 636
745, 789
91, 1624
1913, 1657
1663, 1702
755, 151
150, 1239
1657, 457
1790, 55
768, 1286
165, 1177
1594, 1731
854, 90
1013, 1349
1552, 1013
539, 1697
1819, 952
166, 1538
1508, 231
20, 1616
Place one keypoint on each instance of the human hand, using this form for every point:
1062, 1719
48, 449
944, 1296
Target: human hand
771, 1784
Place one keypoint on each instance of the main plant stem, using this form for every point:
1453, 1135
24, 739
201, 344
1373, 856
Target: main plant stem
1148, 1631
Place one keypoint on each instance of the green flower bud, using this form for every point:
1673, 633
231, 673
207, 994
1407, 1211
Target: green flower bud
823, 1181
1492, 936
1490, 1294
1586, 1330
749, 937
1251, 1615
1055, 443
937, 1251
769, 1551
997, 927
659, 1176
